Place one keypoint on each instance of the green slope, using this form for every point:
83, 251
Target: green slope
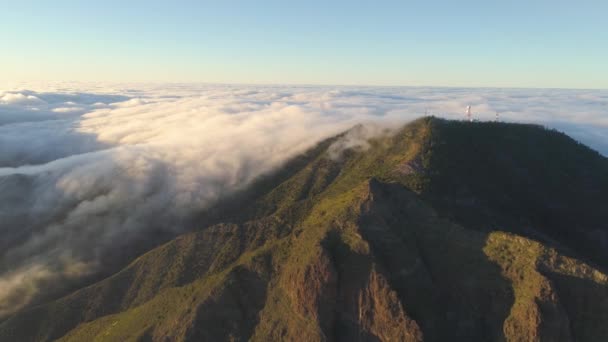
442, 231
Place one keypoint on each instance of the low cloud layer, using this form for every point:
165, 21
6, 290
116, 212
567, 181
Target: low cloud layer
85, 169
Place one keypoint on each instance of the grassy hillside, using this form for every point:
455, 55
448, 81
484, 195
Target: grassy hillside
521, 178
443, 230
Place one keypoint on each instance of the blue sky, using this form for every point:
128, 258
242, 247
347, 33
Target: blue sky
534, 43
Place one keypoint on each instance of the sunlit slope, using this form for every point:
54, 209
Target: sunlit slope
444, 230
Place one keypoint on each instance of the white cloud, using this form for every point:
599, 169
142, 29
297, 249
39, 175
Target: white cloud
84, 168
10, 98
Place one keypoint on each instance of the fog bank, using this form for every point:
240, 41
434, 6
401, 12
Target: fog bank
88, 168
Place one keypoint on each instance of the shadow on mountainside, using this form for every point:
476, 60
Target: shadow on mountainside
445, 281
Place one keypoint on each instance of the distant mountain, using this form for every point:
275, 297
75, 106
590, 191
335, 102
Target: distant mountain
442, 231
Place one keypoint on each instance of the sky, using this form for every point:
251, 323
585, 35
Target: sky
533, 43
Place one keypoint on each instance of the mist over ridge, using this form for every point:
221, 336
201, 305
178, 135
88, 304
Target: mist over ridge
84, 169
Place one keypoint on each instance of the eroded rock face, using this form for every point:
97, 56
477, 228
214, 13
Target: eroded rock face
351, 299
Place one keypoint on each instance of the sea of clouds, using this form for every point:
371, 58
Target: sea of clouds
87, 168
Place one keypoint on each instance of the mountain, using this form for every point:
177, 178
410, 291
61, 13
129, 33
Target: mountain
443, 230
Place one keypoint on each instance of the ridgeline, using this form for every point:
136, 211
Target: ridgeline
444, 230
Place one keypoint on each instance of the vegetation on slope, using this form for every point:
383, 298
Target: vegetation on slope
440, 231
521, 178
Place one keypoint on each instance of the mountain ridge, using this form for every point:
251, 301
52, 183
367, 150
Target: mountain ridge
376, 243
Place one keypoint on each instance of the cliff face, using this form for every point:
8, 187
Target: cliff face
441, 231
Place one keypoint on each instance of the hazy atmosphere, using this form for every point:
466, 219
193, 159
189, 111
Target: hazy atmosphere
122, 124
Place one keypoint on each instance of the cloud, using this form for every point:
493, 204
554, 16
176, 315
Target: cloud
20, 99
30, 106
18, 288
358, 138
87, 169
